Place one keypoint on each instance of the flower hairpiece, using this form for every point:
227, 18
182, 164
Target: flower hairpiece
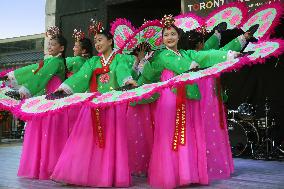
95, 27
202, 29
78, 35
52, 32
168, 21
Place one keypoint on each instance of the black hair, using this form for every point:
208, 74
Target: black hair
228, 35
62, 42
86, 44
190, 40
107, 34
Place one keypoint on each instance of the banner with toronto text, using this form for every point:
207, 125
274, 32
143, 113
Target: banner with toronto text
204, 7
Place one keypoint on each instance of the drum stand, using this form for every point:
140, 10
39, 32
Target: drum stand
267, 149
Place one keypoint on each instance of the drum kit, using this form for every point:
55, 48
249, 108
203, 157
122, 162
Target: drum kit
250, 136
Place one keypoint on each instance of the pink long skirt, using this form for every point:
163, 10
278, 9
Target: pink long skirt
194, 162
44, 140
84, 163
219, 155
140, 127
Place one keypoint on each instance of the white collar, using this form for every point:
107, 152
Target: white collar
106, 61
177, 53
58, 55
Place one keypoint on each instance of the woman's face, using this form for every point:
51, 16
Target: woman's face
78, 51
102, 44
170, 38
54, 48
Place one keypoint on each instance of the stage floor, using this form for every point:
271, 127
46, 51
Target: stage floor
249, 174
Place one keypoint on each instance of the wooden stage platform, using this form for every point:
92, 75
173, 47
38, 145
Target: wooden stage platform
249, 174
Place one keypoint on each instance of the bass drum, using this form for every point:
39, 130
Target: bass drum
243, 137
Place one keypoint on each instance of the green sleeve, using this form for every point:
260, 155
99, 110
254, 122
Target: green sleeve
124, 69
79, 82
75, 63
175, 63
24, 74
165, 60
39, 81
134, 74
170, 61
151, 71
69, 63
208, 58
212, 43
233, 45
143, 80
131, 60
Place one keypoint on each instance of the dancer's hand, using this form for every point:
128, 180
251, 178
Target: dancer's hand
238, 54
247, 35
24, 92
56, 95
23, 95
63, 89
233, 54
193, 65
144, 61
141, 52
60, 90
221, 27
132, 82
142, 49
149, 55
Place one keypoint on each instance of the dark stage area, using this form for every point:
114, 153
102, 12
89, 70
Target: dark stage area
260, 86
77, 14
